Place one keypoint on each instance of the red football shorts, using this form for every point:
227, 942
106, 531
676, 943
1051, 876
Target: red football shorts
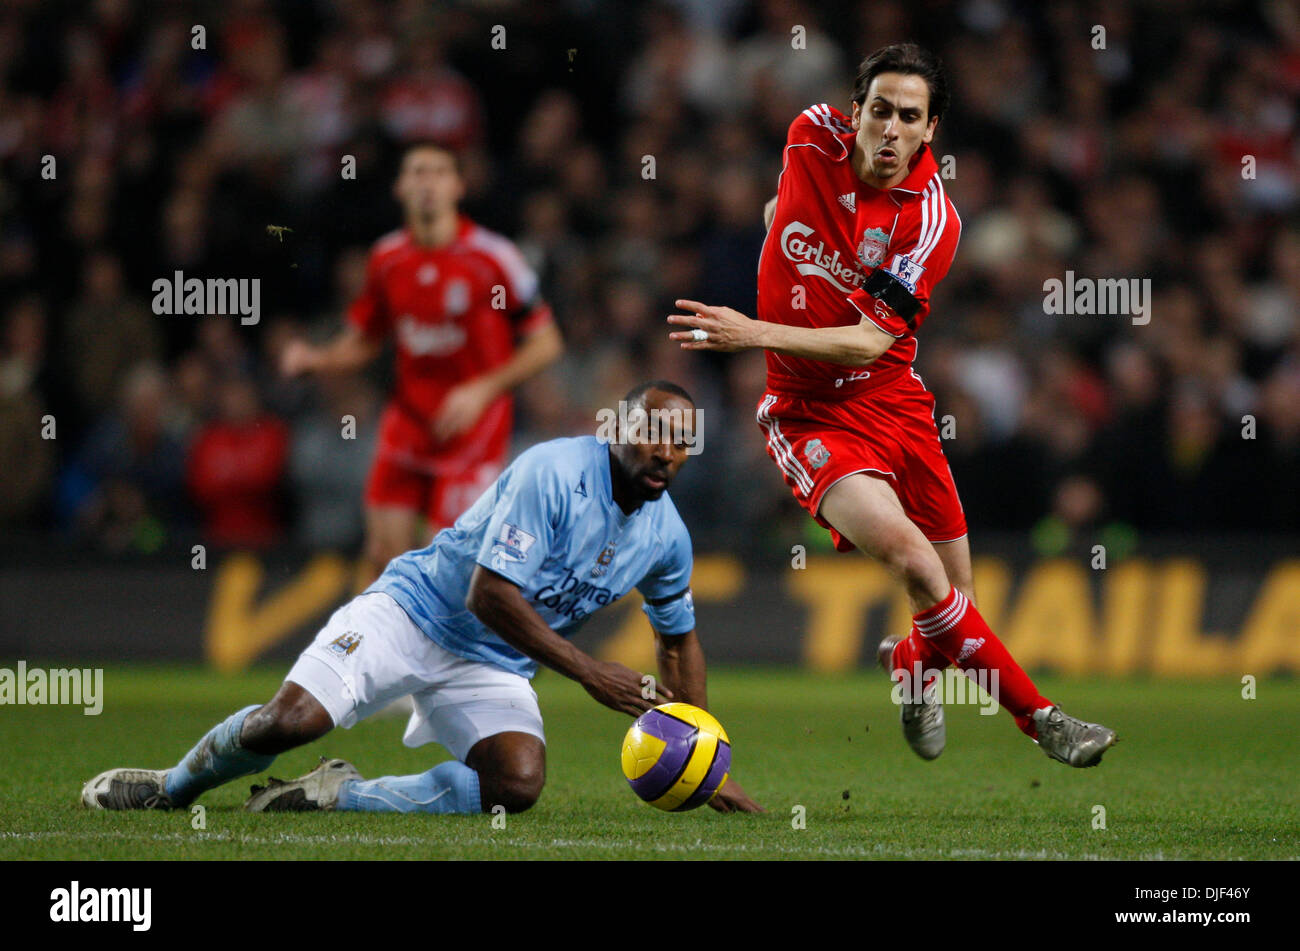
439, 481
439, 498
889, 433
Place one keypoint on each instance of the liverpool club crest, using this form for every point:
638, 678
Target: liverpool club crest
872, 249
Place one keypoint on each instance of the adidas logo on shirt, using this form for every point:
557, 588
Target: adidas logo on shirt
850, 201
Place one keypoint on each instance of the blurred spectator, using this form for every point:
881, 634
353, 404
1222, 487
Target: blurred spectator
733, 242
328, 461
23, 487
1280, 424
108, 332
260, 120
22, 362
124, 486
1173, 154
25, 431
429, 101
791, 60
679, 62
235, 468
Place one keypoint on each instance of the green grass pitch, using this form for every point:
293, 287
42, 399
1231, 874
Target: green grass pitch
1199, 773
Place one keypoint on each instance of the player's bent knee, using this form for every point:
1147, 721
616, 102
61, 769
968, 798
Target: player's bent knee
915, 563
292, 718
517, 790
511, 768
514, 783
922, 571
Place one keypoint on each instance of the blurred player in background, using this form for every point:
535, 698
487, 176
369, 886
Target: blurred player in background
461, 626
860, 232
462, 307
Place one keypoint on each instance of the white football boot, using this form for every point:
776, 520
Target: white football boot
127, 789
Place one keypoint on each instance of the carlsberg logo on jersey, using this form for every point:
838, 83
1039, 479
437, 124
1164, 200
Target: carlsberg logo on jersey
430, 340
812, 259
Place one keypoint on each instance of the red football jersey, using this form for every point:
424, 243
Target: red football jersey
830, 233
454, 313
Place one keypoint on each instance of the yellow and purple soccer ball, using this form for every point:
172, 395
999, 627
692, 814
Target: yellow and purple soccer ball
676, 757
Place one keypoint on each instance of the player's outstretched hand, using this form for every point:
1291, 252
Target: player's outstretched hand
731, 798
461, 408
620, 688
724, 330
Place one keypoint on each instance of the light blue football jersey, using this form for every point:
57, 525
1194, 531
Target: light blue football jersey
550, 525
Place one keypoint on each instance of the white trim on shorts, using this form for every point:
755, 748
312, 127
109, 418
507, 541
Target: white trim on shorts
932, 541
822, 498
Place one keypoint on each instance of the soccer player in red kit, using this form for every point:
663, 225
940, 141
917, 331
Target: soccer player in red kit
859, 234
462, 307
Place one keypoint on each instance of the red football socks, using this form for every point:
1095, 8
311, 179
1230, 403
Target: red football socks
954, 630
915, 649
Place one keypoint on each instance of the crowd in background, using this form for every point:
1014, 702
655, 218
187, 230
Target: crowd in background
1167, 151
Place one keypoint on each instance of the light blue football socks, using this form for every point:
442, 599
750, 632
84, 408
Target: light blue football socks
448, 787
216, 759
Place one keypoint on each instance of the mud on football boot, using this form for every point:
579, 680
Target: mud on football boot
1070, 740
923, 724
317, 791
121, 789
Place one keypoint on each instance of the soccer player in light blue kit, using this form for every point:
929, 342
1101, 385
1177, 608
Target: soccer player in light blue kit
461, 626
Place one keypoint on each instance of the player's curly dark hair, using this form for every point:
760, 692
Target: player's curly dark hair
911, 60
638, 392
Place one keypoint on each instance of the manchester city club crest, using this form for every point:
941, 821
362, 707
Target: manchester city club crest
602, 561
345, 644
816, 454
871, 251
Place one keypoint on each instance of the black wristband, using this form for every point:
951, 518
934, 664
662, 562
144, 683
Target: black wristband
885, 287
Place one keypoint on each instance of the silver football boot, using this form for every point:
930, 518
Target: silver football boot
923, 725
1070, 740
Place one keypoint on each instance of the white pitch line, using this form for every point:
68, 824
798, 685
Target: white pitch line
876, 851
